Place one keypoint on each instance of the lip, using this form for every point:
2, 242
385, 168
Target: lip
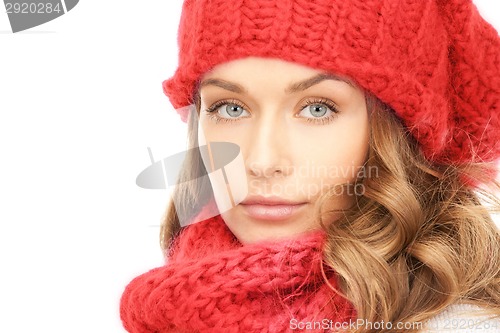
271, 208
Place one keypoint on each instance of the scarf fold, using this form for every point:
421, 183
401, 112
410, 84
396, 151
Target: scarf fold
212, 283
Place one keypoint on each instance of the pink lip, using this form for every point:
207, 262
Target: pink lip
270, 208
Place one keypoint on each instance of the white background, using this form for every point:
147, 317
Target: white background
80, 102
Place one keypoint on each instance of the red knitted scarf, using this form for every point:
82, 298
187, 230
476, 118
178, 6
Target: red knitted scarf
212, 283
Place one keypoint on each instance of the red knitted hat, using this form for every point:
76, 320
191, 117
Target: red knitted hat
436, 63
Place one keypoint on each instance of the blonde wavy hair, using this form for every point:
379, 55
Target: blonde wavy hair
421, 233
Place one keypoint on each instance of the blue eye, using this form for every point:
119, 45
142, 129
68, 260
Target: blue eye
232, 110
227, 111
317, 110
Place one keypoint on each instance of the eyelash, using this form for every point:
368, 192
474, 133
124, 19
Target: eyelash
214, 107
323, 101
322, 121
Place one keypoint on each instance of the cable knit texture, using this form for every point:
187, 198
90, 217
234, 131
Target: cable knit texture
435, 62
212, 283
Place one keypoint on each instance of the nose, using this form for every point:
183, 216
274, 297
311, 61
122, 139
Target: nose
269, 152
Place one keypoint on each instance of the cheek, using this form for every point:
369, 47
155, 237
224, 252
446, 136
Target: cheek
223, 160
208, 130
334, 157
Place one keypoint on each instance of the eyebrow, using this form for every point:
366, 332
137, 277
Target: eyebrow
294, 88
303, 85
234, 87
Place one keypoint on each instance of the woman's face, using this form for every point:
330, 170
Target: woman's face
300, 131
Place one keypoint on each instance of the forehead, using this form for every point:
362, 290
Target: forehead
263, 66
238, 74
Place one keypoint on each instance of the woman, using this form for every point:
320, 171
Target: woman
369, 132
